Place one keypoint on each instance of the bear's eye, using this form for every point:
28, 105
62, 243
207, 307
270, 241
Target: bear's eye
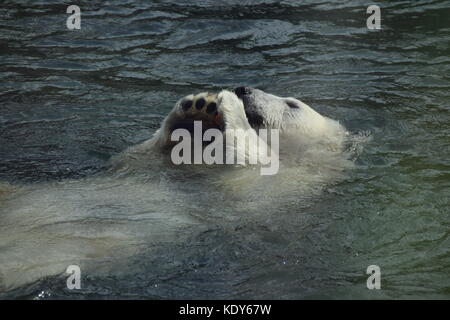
292, 105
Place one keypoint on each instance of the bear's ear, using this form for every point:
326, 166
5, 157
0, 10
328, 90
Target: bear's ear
292, 104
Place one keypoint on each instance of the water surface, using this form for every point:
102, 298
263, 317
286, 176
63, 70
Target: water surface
69, 100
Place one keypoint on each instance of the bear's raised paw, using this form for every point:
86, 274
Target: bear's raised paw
199, 107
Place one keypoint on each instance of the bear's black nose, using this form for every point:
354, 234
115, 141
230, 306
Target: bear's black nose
242, 91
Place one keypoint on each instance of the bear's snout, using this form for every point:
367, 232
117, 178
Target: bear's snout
242, 91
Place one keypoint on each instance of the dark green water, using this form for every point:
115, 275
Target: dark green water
69, 100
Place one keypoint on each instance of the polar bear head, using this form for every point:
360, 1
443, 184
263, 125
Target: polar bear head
300, 127
289, 115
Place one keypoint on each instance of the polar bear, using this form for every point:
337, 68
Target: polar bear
144, 201
250, 110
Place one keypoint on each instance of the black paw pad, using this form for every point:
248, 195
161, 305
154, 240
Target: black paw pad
212, 107
186, 105
200, 103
